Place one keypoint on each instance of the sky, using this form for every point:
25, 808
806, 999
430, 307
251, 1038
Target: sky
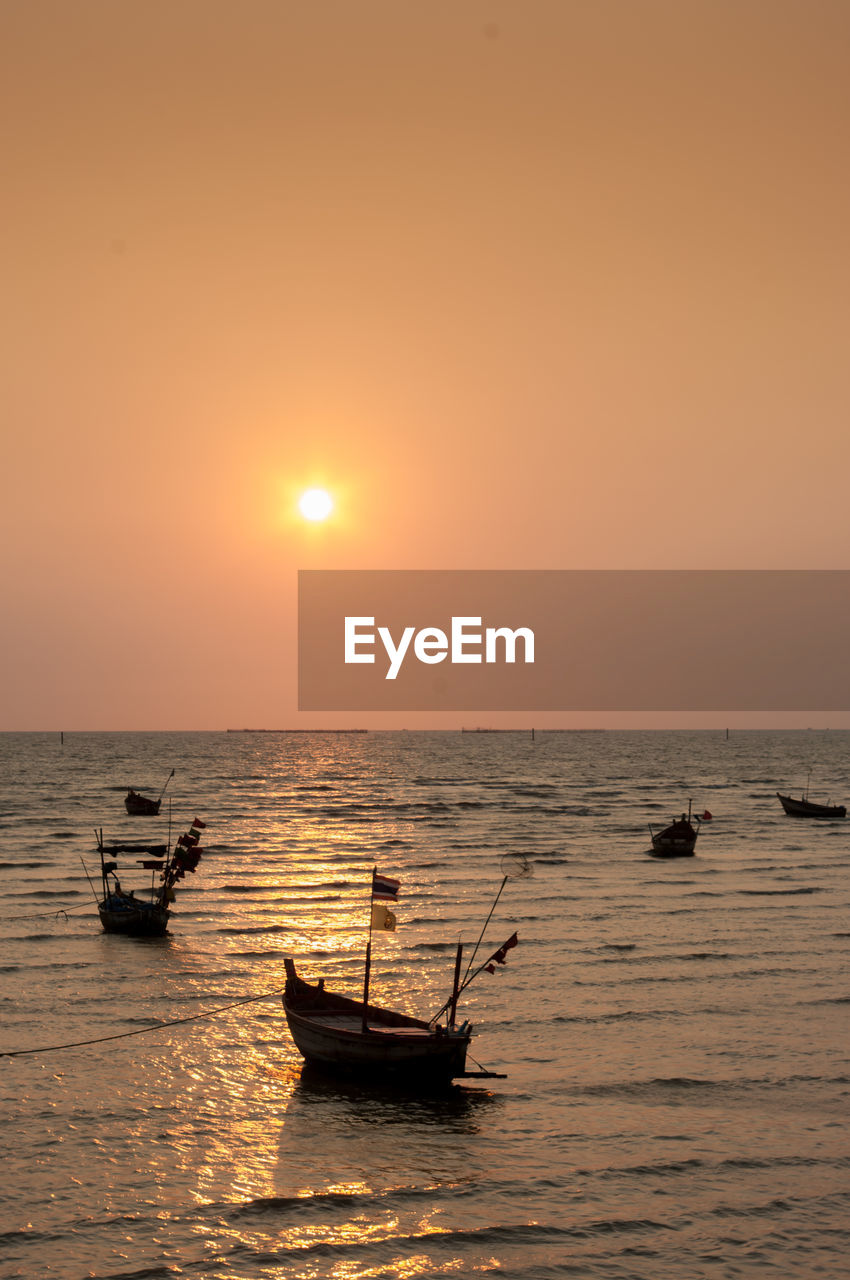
543, 286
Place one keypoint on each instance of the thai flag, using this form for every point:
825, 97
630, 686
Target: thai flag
384, 888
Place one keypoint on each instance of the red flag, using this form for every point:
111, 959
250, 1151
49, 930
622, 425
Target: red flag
187, 860
499, 957
706, 817
196, 822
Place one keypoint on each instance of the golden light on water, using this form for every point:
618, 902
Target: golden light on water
315, 504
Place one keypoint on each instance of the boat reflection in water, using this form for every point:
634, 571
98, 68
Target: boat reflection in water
457, 1107
380, 1178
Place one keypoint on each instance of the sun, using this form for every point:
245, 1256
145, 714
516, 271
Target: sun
315, 504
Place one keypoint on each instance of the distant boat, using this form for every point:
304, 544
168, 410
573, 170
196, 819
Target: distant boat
145, 913
680, 838
360, 1039
676, 841
144, 806
138, 805
805, 808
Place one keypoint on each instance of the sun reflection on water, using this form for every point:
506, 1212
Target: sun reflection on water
342, 1153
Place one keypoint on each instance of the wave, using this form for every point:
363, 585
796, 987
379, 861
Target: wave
779, 893
47, 893
673, 1168
434, 946
626, 1015
726, 1087
495, 1235
240, 930
156, 1271
266, 954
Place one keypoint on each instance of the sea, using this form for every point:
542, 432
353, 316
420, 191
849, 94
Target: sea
673, 1034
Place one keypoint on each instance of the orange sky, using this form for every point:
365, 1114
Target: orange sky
544, 286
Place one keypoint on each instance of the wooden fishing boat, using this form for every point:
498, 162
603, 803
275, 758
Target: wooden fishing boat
145, 912
358, 1039
343, 1035
805, 808
680, 838
676, 841
138, 806
137, 917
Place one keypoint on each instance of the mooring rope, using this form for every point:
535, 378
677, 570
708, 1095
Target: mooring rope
140, 1031
54, 911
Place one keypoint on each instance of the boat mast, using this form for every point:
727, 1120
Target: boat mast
164, 785
458, 985
368, 965
455, 986
99, 835
483, 928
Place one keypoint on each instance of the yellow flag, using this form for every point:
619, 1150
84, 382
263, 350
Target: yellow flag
382, 917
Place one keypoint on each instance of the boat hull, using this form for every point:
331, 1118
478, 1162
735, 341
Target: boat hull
328, 1032
133, 919
141, 806
676, 841
682, 849
808, 809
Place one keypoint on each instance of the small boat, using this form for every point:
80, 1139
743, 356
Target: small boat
676, 841
805, 808
344, 1035
680, 838
138, 806
123, 912
358, 1039
145, 913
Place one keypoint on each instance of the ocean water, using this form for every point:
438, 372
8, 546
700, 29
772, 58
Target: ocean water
674, 1033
